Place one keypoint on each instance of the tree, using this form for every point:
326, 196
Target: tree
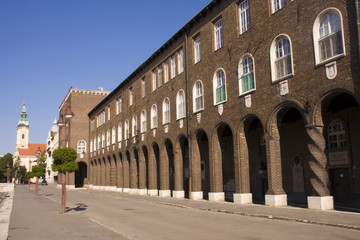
64, 162
5, 162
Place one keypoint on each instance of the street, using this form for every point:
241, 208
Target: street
108, 215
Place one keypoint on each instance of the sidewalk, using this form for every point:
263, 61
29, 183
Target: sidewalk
37, 217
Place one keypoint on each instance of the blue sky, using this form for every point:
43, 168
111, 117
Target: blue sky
48, 46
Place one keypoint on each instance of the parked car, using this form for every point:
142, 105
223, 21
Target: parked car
44, 182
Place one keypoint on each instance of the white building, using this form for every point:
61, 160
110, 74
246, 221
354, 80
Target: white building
52, 144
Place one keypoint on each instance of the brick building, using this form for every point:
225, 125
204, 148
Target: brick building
251, 101
73, 128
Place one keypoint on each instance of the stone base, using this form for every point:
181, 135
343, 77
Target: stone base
178, 194
217, 196
143, 191
70, 186
164, 193
134, 191
321, 203
243, 198
153, 192
126, 190
276, 200
119, 189
197, 195
112, 188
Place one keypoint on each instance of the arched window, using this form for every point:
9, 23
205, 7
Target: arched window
23, 136
328, 35
246, 74
81, 146
91, 145
94, 144
99, 142
166, 111
336, 135
198, 96
119, 132
126, 136
154, 117
143, 121
180, 105
134, 126
281, 59
108, 138
219, 85
113, 135
103, 140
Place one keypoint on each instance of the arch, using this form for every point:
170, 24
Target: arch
103, 172
134, 170
181, 167
81, 175
126, 171
113, 171
167, 171
108, 171
154, 168
143, 167
119, 172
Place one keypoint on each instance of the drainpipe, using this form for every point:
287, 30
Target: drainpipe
358, 24
187, 106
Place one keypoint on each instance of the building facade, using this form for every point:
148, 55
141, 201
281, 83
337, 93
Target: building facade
52, 143
251, 101
74, 128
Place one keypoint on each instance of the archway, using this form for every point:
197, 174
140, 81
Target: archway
181, 164
81, 175
126, 172
167, 177
119, 172
113, 178
134, 170
201, 164
154, 170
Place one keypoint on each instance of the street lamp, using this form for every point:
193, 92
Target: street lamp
37, 164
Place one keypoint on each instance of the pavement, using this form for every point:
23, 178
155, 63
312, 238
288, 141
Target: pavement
28, 208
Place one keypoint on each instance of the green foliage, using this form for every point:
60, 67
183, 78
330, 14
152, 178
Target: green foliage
64, 160
21, 174
4, 161
29, 175
38, 171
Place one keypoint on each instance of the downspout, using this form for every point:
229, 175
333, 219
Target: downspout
358, 24
187, 107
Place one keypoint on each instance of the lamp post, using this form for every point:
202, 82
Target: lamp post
29, 171
37, 164
65, 114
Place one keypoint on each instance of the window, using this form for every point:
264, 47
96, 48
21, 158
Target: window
160, 77
119, 132
130, 96
277, 5
197, 49
113, 135
180, 61
154, 82
108, 112
143, 89
281, 59
92, 125
180, 105
246, 74
108, 137
328, 35
94, 144
91, 146
244, 15
154, 117
81, 146
336, 135
103, 140
143, 121
218, 34
126, 136
99, 142
173, 66
219, 84
166, 111
134, 126
120, 104
23, 136
198, 103
166, 71
117, 106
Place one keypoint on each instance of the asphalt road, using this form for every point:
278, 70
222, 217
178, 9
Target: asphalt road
101, 215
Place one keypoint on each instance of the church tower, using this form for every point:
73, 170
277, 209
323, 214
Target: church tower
22, 139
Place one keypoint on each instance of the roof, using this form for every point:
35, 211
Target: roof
31, 151
183, 31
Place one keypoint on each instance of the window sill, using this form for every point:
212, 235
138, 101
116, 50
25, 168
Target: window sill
247, 92
282, 78
319, 64
198, 111
218, 103
177, 119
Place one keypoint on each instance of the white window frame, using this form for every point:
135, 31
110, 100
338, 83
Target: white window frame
120, 104
109, 113
143, 87
154, 80
317, 39
160, 76
134, 126
99, 142
198, 95
173, 66
180, 105
274, 59
81, 146
218, 34
337, 138
197, 49
95, 144
166, 71
217, 86
119, 132
244, 16
91, 146
166, 111
143, 121
154, 118
113, 135
108, 138
242, 73
126, 132
131, 95
103, 140
117, 107
276, 5
180, 61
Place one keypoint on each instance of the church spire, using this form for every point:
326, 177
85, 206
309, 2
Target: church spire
23, 120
